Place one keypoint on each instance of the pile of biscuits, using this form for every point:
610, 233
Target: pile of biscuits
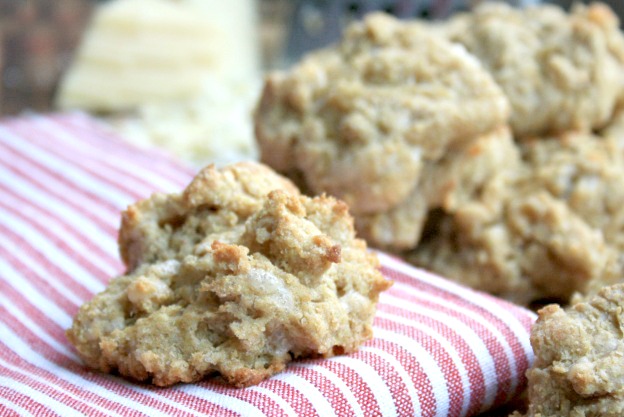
488, 148
479, 147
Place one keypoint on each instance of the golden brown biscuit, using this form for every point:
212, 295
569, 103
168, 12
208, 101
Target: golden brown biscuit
223, 279
446, 184
579, 351
584, 171
361, 119
560, 71
535, 248
546, 230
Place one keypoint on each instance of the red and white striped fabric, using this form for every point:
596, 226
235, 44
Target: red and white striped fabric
439, 349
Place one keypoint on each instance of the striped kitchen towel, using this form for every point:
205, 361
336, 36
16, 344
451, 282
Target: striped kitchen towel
439, 349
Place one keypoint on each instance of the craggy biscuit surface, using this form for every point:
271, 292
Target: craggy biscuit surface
579, 353
360, 120
545, 230
241, 294
560, 71
447, 185
584, 171
214, 206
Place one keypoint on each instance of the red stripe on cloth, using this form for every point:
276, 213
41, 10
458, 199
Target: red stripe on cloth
66, 170
47, 262
468, 356
109, 385
46, 377
51, 391
56, 241
391, 378
33, 312
362, 391
446, 364
203, 404
419, 377
524, 317
297, 399
465, 352
23, 402
30, 211
149, 176
334, 395
98, 134
263, 402
519, 356
42, 320
72, 163
55, 146
74, 396
502, 366
53, 294
48, 353
62, 190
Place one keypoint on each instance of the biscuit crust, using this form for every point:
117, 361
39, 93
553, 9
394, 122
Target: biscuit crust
546, 230
578, 358
215, 203
560, 71
446, 185
360, 120
238, 284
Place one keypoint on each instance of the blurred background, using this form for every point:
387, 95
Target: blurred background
38, 37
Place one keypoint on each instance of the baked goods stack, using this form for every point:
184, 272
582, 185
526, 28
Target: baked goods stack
487, 148
395, 120
468, 146
553, 231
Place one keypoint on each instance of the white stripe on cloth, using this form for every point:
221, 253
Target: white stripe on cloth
428, 363
25, 190
75, 175
383, 397
60, 390
403, 373
225, 401
305, 388
449, 348
503, 320
47, 308
89, 162
36, 329
56, 230
155, 395
286, 407
49, 250
146, 177
340, 385
22, 349
153, 159
37, 396
468, 335
67, 291
9, 405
